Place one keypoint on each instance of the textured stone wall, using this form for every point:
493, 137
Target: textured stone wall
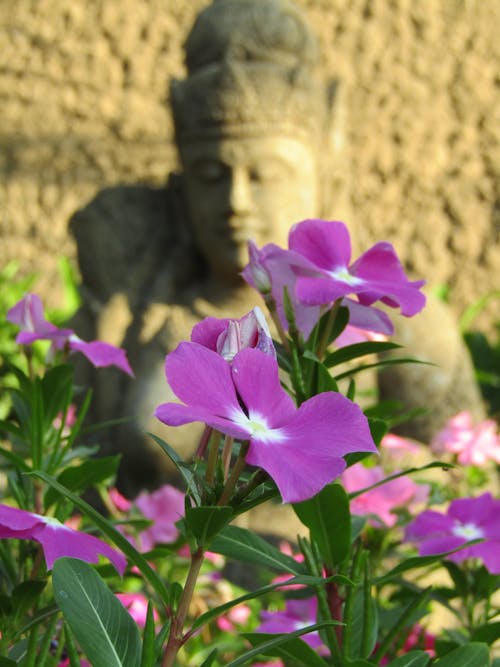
83, 86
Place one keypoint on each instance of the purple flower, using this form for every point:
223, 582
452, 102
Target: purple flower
296, 615
376, 276
467, 519
29, 316
227, 336
56, 539
301, 449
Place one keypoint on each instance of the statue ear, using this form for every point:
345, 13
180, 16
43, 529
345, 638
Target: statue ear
334, 157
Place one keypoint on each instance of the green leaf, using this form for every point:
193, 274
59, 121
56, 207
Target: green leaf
275, 641
181, 466
381, 363
25, 595
302, 580
295, 652
411, 659
205, 522
148, 643
487, 633
5, 662
350, 352
57, 390
468, 655
85, 475
208, 662
103, 627
242, 545
328, 518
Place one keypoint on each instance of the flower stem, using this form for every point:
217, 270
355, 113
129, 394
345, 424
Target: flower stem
226, 454
176, 638
325, 338
235, 475
213, 452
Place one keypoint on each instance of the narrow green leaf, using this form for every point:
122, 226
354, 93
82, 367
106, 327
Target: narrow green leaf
412, 659
328, 518
85, 475
277, 640
468, 655
402, 473
57, 390
148, 642
103, 627
303, 580
205, 522
381, 363
5, 662
25, 595
350, 352
295, 651
181, 466
242, 545
208, 662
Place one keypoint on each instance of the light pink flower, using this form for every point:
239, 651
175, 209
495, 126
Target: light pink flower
56, 539
236, 616
29, 316
352, 335
296, 615
380, 503
472, 444
164, 507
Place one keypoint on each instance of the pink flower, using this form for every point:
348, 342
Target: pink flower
381, 502
467, 519
163, 507
273, 663
227, 337
301, 449
352, 335
29, 316
296, 615
237, 615
56, 539
137, 606
121, 503
376, 276
471, 444
398, 446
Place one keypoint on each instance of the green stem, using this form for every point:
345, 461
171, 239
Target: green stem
175, 638
226, 454
271, 306
235, 475
213, 452
325, 338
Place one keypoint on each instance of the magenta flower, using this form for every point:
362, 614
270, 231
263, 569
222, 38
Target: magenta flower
296, 615
301, 449
467, 519
380, 503
472, 444
376, 276
227, 336
29, 316
282, 268
164, 507
56, 539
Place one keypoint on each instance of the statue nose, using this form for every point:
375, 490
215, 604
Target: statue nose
240, 200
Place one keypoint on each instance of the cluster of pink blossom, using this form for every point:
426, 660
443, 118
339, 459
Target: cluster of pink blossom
471, 444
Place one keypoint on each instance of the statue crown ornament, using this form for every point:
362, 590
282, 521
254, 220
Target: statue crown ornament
253, 69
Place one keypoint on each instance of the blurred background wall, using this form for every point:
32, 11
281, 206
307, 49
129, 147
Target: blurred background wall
83, 92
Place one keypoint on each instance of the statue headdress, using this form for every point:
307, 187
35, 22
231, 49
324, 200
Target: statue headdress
252, 68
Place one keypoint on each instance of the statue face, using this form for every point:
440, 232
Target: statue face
246, 188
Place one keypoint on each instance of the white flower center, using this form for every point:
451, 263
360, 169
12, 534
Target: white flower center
469, 531
258, 427
342, 274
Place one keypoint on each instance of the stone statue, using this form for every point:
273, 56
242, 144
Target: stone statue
260, 140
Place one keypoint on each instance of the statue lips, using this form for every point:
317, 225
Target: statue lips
241, 229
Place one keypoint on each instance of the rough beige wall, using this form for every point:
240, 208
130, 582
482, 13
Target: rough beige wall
82, 94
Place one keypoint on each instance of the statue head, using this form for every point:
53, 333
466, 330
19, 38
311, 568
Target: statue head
249, 120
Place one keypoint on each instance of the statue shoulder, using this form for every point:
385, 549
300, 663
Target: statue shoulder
125, 235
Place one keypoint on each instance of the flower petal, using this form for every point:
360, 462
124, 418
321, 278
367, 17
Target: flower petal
201, 378
256, 378
59, 541
326, 244
174, 414
208, 331
101, 354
